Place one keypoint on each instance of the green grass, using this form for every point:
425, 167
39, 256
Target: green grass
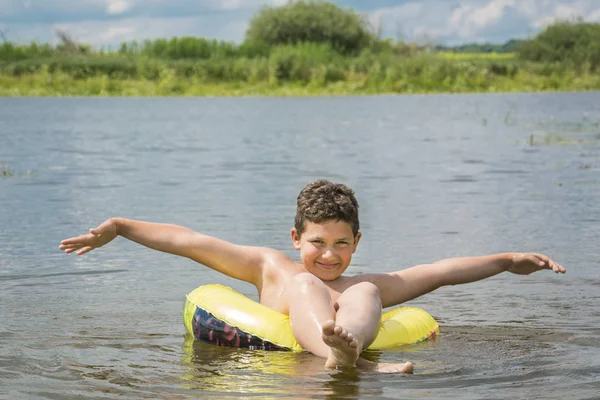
450, 55
383, 82
300, 70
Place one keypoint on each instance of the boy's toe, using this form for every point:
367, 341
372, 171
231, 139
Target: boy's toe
329, 327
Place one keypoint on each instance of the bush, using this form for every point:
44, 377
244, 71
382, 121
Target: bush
575, 43
310, 21
15, 52
85, 67
296, 62
180, 48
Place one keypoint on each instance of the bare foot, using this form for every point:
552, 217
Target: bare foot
402, 368
344, 347
406, 368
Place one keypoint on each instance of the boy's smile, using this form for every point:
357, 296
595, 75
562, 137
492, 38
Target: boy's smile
326, 248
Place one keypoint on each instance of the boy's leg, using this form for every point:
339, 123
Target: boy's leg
338, 336
310, 307
356, 324
359, 313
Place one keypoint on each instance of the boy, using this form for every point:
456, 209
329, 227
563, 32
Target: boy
332, 315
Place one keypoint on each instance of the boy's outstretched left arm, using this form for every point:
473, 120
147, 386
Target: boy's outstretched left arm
400, 286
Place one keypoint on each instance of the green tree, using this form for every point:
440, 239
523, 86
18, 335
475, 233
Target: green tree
571, 42
311, 21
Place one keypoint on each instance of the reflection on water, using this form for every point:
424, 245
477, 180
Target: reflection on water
584, 132
525, 357
225, 370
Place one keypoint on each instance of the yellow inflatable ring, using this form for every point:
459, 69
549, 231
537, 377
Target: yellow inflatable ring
219, 315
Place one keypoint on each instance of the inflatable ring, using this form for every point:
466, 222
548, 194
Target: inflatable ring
219, 315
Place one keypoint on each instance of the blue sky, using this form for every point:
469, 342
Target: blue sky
110, 22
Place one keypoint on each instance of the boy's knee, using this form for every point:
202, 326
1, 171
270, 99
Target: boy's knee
367, 288
364, 291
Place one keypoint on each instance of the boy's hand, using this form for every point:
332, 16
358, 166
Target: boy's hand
97, 237
526, 263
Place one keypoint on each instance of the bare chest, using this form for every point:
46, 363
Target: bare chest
274, 292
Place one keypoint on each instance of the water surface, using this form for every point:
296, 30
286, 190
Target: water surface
436, 176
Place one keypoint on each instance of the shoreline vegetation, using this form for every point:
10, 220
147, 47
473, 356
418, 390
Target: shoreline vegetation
337, 53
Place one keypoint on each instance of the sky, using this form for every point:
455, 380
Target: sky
107, 23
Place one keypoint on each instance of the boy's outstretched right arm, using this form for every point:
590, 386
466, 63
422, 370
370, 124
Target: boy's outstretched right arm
240, 262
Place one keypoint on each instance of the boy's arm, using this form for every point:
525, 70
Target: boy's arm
240, 262
400, 286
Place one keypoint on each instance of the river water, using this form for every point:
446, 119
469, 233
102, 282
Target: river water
437, 176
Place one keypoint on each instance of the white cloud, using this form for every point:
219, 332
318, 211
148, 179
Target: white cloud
467, 19
246, 4
477, 20
407, 20
116, 7
594, 16
588, 10
413, 20
109, 22
231, 4
121, 33
99, 33
443, 21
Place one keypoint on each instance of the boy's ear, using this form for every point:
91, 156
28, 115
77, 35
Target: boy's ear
357, 239
295, 238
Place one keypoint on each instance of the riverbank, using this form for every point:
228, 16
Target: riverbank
270, 78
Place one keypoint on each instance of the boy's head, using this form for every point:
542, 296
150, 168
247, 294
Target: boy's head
322, 201
326, 228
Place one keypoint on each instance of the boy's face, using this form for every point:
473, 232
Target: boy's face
326, 248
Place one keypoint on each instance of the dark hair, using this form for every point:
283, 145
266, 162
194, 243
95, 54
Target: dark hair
323, 200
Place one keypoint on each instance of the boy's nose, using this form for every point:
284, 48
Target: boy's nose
329, 253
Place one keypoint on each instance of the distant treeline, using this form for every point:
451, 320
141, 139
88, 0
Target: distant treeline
511, 46
307, 44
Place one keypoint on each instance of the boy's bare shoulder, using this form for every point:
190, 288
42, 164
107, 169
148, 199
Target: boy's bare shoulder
271, 253
276, 259
278, 268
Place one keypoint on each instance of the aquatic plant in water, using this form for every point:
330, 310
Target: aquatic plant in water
4, 171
